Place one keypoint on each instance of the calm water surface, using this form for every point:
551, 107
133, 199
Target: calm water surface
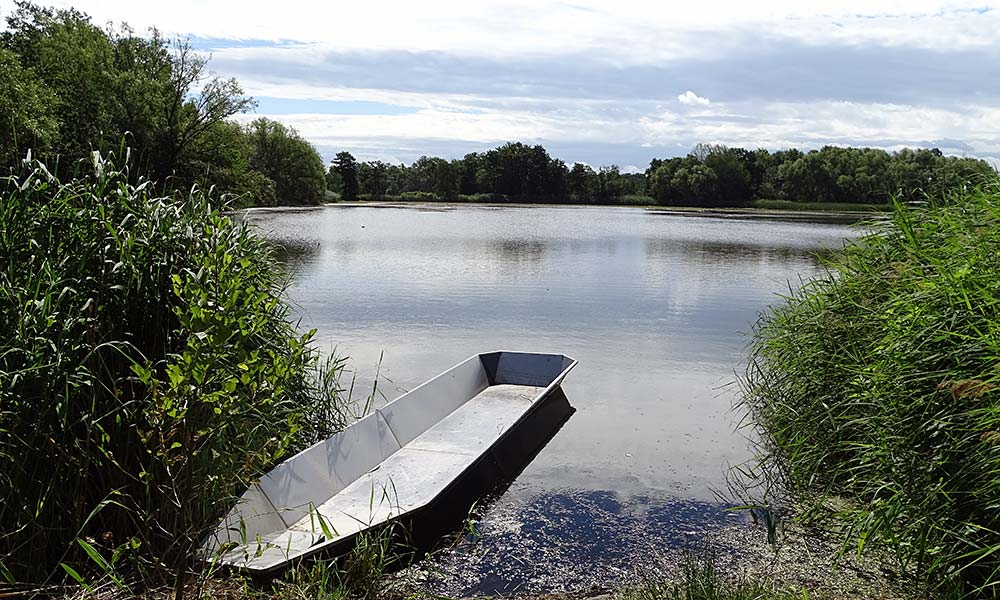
654, 306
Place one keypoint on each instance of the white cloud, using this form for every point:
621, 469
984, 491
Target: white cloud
584, 74
690, 98
629, 30
773, 125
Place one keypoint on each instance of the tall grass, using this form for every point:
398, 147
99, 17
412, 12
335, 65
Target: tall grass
877, 385
148, 371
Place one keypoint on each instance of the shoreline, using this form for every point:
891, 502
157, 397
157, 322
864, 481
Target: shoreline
681, 211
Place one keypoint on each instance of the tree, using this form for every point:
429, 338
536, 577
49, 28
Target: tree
372, 178
25, 105
188, 115
347, 167
696, 184
334, 182
733, 178
661, 181
104, 86
72, 59
610, 184
581, 183
466, 169
281, 154
221, 158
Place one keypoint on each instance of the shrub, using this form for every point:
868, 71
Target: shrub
877, 383
488, 197
148, 371
419, 197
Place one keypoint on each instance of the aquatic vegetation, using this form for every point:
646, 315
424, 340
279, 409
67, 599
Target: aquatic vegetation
874, 391
148, 372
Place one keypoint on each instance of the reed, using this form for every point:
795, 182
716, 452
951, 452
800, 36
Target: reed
873, 391
148, 372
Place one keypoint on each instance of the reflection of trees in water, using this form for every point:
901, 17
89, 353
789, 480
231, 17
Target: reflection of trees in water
715, 252
518, 249
293, 253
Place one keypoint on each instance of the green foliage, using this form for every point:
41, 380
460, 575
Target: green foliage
148, 372
419, 197
877, 384
70, 88
279, 153
346, 167
74, 61
721, 176
581, 183
513, 172
25, 104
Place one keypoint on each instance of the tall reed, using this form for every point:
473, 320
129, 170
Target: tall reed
877, 384
148, 371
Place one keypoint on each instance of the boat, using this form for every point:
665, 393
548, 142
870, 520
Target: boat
419, 459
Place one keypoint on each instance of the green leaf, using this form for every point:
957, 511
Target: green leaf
94, 555
76, 576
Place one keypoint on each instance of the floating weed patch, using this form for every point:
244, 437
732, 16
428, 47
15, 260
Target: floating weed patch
877, 385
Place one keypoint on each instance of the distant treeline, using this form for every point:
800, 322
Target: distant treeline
711, 176
68, 88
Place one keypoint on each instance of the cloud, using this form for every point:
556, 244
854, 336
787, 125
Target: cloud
777, 69
623, 138
599, 84
628, 29
690, 98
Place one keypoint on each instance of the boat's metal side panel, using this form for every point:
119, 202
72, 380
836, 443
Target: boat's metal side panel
417, 410
313, 476
490, 361
251, 518
523, 368
568, 363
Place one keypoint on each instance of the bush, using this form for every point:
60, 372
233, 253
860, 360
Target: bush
878, 383
488, 198
820, 206
148, 371
418, 197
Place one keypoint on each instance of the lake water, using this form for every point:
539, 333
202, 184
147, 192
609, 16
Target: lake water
655, 307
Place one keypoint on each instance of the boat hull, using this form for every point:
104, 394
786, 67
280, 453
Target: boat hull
421, 461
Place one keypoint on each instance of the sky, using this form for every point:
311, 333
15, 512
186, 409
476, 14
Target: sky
600, 82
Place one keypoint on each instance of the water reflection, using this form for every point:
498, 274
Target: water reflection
293, 253
713, 252
518, 250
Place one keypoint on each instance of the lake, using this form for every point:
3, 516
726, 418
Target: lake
656, 308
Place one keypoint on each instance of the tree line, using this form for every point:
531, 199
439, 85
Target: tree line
69, 88
513, 172
709, 176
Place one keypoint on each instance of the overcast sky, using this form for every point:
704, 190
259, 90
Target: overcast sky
601, 82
